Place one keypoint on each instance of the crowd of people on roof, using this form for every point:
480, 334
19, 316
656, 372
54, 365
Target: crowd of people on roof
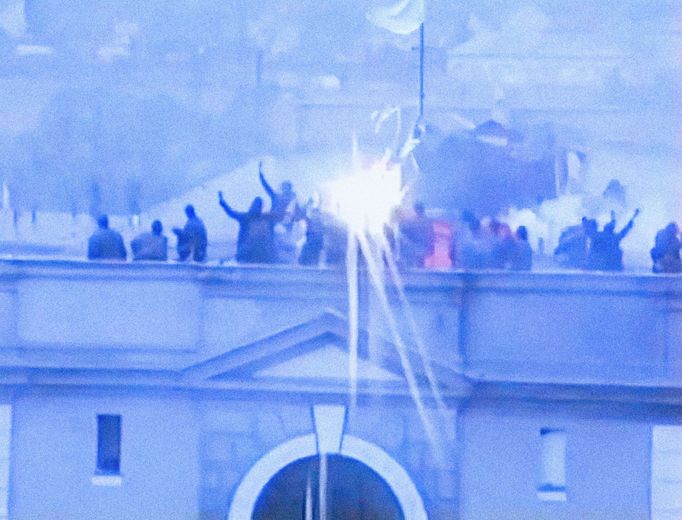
586, 247
290, 233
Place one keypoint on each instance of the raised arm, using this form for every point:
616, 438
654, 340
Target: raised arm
230, 212
268, 189
623, 232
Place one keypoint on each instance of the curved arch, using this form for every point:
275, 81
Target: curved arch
244, 500
393, 473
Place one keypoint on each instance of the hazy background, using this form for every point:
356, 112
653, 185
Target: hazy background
120, 106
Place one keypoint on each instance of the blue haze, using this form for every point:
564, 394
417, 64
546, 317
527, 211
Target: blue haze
120, 106
127, 105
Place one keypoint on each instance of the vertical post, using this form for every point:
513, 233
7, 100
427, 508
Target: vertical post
421, 71
308, 499
323, 486
259, 69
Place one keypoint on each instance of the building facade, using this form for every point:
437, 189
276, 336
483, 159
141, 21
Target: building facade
204, 392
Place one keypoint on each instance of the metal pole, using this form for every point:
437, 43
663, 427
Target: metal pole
421, 71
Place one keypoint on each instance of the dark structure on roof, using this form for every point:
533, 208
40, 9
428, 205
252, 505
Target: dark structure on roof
485, 170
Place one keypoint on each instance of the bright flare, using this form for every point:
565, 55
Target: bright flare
365, 199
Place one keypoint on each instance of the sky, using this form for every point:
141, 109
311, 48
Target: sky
119, 106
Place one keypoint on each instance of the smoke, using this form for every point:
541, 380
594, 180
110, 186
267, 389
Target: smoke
649, 180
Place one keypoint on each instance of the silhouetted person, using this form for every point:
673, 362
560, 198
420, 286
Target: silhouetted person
475, 246
150, 245
666, 251
192, 239
521, 258
615, 192
314, 238
574, 244
462, 235
503, 244
417, 237
289, 233
605, 252
256, 238
335, 241
105, 243
282, 203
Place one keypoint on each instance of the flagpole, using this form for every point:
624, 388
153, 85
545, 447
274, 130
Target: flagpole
421, 71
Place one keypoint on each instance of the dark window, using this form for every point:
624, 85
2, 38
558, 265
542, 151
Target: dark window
109, 444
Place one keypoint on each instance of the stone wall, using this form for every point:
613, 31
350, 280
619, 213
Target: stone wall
234, 436
54, 453
607, 462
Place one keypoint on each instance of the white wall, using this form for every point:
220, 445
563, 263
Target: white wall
666, 473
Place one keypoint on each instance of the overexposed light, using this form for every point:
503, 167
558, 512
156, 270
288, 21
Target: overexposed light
365, 199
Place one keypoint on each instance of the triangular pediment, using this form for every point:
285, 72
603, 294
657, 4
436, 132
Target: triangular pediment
315, 349
314, 352
329, 362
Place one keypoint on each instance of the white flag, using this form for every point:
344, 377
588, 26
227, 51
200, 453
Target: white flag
403, 17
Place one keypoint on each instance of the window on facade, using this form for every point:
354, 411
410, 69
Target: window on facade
108, 444
666, 472
552, 485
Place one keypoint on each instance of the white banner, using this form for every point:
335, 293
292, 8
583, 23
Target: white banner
403, 17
